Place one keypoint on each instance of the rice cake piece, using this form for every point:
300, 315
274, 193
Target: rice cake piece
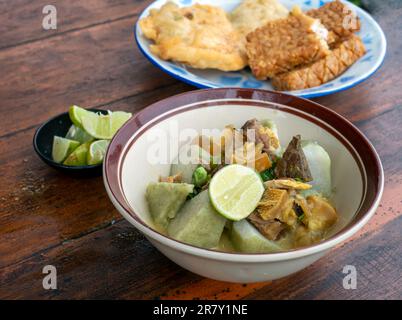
165, 200
252, 14
198, 223
340, 58
338, 18
283, 44
200, 36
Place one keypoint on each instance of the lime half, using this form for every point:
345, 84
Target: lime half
78, 134
62, 147
235, 191
104, 126
78, 157
76, 113
97, 151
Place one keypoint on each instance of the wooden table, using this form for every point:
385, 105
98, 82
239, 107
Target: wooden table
47, 218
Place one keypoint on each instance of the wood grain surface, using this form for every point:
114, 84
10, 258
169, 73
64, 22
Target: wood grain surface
49, 218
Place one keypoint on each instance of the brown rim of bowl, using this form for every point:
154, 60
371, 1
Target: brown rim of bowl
356, 143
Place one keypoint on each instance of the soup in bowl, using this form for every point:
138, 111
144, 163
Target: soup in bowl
310, 181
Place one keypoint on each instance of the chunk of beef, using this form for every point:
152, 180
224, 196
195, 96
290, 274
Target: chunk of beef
270, 229
254, 131
293, 163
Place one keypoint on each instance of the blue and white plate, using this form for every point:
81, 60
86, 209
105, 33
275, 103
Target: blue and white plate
371, 34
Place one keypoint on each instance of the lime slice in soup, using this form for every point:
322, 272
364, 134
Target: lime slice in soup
104, 126
62, 147
235, 191
97, 151
78, 157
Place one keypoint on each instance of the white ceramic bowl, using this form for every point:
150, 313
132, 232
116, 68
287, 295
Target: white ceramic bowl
357, 173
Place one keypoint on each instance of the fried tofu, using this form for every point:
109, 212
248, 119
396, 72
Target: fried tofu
281, 45
287, 184
341, 57
272, 204
338, 18
200, 36
252, 14
323, 214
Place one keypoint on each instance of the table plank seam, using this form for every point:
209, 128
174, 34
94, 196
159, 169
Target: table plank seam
61, 243
62, 33
12, 133
175, 82
364, 121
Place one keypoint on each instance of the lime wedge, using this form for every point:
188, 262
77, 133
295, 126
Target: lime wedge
97, 151
104, 126
62, 147
235, 191
78, 134
75, 113
98, 125
78, 157
118, 119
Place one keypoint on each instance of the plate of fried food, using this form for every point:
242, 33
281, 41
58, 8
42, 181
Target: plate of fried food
307, 48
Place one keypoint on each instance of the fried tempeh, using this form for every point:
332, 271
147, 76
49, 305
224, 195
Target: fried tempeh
338, 18
341, 57
283, 44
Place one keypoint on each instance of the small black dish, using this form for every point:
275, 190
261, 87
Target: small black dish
43, 143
